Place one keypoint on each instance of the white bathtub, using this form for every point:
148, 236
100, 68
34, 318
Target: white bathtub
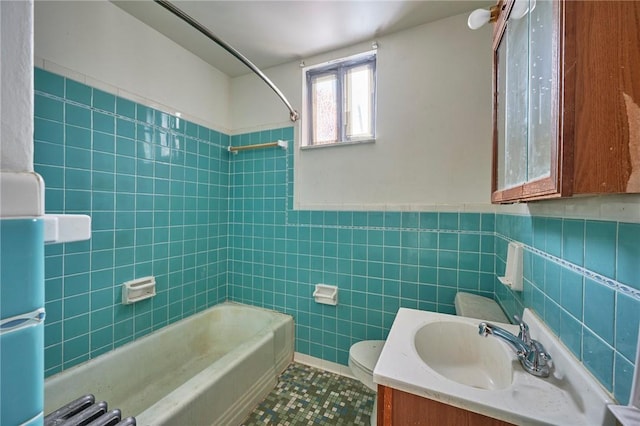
210, 368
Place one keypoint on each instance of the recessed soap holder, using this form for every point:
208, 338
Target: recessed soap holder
513, 271
139, 289
326, 294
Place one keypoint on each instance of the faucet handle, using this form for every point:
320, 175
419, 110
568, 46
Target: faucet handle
524, 330
542, 352
542, 361
484, 329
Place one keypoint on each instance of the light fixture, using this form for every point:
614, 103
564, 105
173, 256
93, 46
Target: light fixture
521, 8
374, 45
301, 64
480, 17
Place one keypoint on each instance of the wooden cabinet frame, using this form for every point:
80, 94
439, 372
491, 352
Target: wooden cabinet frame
596, 69
398, 408
561, 159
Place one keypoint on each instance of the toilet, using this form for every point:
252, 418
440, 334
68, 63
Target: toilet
364, 355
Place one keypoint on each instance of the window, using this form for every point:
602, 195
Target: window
340, 100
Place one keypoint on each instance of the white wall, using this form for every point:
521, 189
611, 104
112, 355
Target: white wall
98, 40
16, 81
433, 143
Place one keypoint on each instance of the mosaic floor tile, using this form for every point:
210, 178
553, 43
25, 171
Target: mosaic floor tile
308, 396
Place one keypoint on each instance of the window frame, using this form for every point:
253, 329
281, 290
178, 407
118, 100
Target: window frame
340, 68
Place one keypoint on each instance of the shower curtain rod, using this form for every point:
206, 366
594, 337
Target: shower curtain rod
293, 114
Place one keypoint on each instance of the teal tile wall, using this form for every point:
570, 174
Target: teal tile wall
166, 198
156, 188
582, 278
380, 261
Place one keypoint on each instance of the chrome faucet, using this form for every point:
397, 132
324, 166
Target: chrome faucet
532, 355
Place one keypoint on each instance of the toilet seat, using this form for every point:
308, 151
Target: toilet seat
363, 357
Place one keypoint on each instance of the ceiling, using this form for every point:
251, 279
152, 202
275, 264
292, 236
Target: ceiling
271, 33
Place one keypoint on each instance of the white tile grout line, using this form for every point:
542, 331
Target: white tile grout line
94, 83
127, 118
583, 271
621, 207
600, 279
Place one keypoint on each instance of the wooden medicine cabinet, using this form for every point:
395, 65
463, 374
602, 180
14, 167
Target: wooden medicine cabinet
566, 84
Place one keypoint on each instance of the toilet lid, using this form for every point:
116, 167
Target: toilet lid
366, 353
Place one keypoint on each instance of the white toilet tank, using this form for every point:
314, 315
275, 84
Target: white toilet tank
474, 306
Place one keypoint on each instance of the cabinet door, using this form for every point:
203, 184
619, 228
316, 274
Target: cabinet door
526, 102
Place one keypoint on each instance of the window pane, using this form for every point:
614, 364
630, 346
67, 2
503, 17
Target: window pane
359, 102
324, 101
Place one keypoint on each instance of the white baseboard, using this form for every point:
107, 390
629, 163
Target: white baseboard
329, 366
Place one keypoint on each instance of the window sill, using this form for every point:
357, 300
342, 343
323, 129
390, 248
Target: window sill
331, 145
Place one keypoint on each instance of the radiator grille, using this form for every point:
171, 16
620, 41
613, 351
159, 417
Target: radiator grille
85, 411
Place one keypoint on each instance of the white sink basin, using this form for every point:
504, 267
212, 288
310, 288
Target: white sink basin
443, 358
456, 351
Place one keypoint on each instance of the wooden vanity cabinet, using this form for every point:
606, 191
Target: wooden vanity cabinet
566, 84
398, 408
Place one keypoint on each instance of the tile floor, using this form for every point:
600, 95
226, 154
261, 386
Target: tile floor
308, 396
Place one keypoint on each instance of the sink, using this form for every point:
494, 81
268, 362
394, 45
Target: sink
456, 351
443, 358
